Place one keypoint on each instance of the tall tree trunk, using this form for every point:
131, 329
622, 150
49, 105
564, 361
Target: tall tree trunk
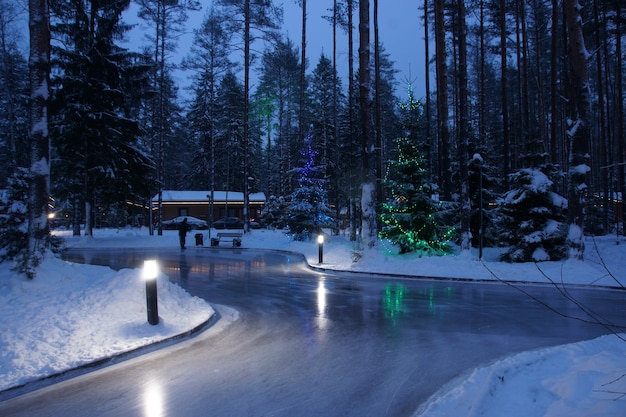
603, 142
519, 132
246, 119
482, 106
39, 73
368, 183
9, 96
506, 142
336, 156
579, 131
609, 130
351, 115
431, 148
619, 134
351, 118
541, 105
525, 99
553, 80
378, 129
301, 128
442, 100
161, 114
463, 131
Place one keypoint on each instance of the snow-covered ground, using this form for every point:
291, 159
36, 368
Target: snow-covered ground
77, 314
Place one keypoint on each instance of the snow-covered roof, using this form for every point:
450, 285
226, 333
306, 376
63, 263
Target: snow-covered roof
203, 196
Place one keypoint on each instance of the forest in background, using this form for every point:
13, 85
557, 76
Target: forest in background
521, 90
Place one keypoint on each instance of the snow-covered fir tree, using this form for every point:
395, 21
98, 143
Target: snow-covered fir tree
532, 217
273, 212
14, 224
410, 216
14, 231
308, 211
95, 106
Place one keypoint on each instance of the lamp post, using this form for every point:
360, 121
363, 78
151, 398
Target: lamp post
211, 209
149, 274
320, 248
479, 160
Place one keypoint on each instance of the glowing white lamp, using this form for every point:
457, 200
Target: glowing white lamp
149, 273
320, 247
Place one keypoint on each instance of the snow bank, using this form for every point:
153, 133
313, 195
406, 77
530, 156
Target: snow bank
586, 378
70, 315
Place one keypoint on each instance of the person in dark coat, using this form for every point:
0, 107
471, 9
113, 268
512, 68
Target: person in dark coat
183, 228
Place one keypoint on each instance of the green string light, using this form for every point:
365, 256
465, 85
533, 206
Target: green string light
408, 217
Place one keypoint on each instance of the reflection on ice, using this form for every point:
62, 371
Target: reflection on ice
153, 399
322, 317
321, 298
393, 302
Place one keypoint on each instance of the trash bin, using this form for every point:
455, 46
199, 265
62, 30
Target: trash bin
199, 239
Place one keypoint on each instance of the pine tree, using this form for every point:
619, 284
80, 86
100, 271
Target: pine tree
209, 59
14, 94
273, 212
532, 217
279, 85
229, 134
410, 216
39, 149
97, 136
14, 225
328, 102
308, 211
411, 118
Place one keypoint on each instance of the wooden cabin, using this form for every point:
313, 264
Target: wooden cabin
197, 204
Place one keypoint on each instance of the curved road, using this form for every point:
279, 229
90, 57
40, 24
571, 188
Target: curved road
295, 342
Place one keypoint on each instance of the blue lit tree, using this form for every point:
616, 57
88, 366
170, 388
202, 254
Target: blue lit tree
410, 217
308, 210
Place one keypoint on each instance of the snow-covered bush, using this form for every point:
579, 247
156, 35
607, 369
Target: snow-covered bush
273, 213
14, 221
14, 226
532, 217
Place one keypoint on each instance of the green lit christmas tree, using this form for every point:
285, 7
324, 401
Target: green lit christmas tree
410, 216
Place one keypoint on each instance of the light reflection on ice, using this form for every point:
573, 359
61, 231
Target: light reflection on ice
321, 320
321, 298
153, 399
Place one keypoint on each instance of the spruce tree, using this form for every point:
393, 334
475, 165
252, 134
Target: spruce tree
14, 94
532, 217
273, 212
308, 211
410, 217
96, 133
14, 224
209, 60
327, 102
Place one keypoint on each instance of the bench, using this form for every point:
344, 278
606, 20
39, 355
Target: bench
227, 237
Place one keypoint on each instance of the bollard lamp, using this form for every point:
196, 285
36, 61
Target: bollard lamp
320, 247
149, 273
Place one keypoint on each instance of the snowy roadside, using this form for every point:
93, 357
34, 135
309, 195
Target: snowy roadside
602, 265
579, 379
72, 315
